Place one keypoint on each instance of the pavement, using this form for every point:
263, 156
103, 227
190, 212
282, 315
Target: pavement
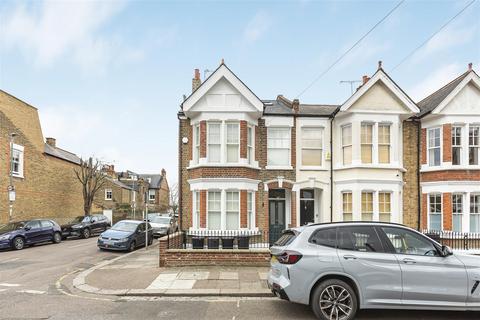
138, 274
37, 283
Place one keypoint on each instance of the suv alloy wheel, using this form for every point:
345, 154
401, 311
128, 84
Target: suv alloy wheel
334, 299
86, 233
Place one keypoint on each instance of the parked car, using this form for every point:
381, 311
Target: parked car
338, 268
163, 225
85, 226
17, 235
125, 235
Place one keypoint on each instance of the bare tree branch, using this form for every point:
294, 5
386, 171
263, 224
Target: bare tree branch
92, 179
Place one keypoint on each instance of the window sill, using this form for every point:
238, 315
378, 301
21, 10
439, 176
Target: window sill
223, 165
426, 168
306, 168
18, 176
279, 168
370, 166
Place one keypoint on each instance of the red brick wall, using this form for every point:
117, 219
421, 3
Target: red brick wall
243, 209
293, 210
214, 257
424, 146
203, 139
447, 142
223, 172
203, 208
447, 211
424, 212
451, 175
243, 139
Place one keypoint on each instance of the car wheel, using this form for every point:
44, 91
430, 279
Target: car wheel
57, 237
18, 243
334, 299
132, 246
86, 233
150, 241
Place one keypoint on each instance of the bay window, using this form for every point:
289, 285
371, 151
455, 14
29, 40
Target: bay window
435, 211
214, 142
347, 206
214, 204
474, 212
384, 143
311, 146
278, 146
233, 142
233, 210
457, 210
367, 206
434, 147
385, 206
456, 145
366, 142
473, 144
347, 144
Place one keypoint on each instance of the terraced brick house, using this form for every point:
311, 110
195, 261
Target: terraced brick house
247, 163
450, 156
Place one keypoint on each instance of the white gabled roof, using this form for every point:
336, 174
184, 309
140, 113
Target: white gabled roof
380, 75
222, 72
471, 77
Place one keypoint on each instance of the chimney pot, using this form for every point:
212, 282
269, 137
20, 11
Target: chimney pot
197, 74
296, 105
222, 62
52, 142
380, 64
365, 79
470, 66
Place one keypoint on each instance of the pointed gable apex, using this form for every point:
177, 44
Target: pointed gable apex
222, 72
471, 77
381, 76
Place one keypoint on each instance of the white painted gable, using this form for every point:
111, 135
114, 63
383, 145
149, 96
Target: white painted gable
467, 101
379, 98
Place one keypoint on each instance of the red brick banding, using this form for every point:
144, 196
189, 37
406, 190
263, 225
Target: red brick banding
203, 208
447, 211
447, 142
223, 172
203, 139
243, 209
243, 139
451, 175
424, 146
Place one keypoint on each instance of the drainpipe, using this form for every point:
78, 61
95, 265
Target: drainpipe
332, 117
419, 150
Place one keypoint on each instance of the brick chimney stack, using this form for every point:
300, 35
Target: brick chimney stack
196, 81
365, 79
296, 105
164, 173
470, 66
52, 142
380, 64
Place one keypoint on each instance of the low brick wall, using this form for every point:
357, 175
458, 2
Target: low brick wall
177, 257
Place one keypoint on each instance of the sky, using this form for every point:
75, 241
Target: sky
108, 76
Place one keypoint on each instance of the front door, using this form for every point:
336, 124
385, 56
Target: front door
428, 278
307, 206
276, 206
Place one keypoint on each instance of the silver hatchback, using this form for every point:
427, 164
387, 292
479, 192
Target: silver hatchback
338, 268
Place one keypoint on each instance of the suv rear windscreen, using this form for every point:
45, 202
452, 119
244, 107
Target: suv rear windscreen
286, 238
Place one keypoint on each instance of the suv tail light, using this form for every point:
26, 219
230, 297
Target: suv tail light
289, 257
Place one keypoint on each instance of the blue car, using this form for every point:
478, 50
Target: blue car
17, 235
125, 235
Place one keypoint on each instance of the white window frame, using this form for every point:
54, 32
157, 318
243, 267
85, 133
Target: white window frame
455, 205
472, 204
361, 204
108, 191
226, 211
474, 145
458, 146
429, 213
196, 143
347, 145
380, 212
429, 133
236, 123
372, 157
251, 223
208, 208
344, 193
250, 144
196, 210
303, 147
389, 144
216, 123
287, 165
150, 193
20, 149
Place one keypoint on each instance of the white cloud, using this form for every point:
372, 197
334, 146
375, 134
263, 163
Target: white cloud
52, 30
257, 27
436, 80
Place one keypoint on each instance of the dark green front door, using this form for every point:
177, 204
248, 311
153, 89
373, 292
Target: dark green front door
277, 219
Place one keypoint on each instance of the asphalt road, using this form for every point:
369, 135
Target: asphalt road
36, 284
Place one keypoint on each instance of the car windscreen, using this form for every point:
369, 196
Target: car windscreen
125, 226
86, 219
12, 226
161, 220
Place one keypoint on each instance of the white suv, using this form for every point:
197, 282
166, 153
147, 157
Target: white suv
338, 268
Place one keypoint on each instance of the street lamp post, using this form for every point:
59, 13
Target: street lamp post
11, 188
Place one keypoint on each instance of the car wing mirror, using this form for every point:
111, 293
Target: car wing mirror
446, 251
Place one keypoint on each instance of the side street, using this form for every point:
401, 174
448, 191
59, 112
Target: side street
240, 159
